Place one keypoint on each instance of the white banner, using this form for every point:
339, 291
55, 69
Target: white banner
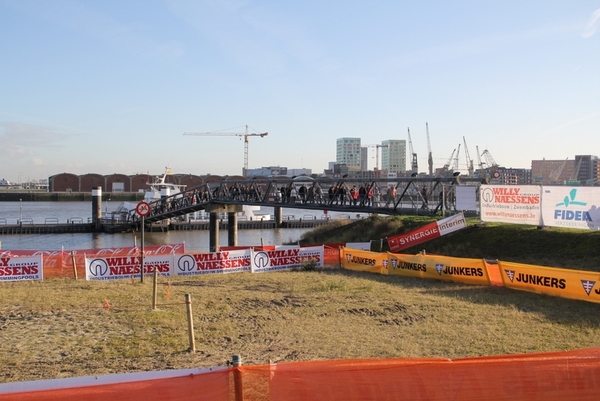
364, 246
451, 224
426, 232
21, 268
286, 259
571, 207
466, 197
120, 267
212, 263
517, 204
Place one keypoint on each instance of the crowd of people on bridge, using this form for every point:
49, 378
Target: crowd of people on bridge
338, 194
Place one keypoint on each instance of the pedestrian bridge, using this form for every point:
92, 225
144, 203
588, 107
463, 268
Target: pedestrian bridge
390, 196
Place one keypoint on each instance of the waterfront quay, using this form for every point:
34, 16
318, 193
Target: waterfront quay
77, 226
8, 195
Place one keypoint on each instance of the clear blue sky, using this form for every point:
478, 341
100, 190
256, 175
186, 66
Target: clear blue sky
110, 86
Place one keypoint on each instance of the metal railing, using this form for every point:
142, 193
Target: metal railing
391, 196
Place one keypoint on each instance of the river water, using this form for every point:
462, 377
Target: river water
63, 212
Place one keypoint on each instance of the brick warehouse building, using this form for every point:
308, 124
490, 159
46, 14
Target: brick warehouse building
67, 182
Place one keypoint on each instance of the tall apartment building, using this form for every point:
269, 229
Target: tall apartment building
393, 155
364, 158
348, 152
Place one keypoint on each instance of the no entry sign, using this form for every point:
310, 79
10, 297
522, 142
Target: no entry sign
143, 209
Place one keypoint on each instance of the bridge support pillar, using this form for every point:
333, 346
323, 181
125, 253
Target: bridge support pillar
278, 210
213, 224
213, 232
232, 229
97, 209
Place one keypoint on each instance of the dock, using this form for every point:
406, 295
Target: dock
192, 225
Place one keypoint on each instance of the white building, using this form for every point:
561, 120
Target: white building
393, 155
348, 152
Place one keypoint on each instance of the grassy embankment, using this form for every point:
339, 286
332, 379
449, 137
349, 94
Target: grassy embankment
58, 328
554, 247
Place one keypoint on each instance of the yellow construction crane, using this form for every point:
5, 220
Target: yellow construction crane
245, 135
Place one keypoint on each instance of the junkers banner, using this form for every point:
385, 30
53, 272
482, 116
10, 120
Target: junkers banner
518, 204
566, 283
571, 207
470, 271
364, 261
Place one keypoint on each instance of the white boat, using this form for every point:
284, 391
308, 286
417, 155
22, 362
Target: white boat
156, 190
160, 188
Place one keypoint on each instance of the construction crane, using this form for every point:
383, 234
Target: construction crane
414, 164
430, 155
377, 146
245, 135
468, 157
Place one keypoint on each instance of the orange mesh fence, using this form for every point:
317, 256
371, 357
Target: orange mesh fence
60, 264
551, 377
558, 376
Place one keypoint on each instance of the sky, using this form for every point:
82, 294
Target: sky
111, 86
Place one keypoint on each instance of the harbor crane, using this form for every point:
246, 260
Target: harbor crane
489, 160
430, 155
455, 164
481, 171
414, 164
479, 162
468, 157
446, 167
245, 135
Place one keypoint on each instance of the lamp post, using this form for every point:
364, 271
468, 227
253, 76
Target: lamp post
20, 211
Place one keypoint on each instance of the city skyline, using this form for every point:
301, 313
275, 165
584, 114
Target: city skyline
110, 87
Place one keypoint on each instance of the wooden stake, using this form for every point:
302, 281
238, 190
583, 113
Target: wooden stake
74, 264
155, 288
236, 362
190, 318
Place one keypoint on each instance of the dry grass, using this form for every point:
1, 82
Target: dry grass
58, 328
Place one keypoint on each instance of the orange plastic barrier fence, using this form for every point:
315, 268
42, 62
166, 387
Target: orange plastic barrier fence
493, 270
549, 377
331, 255
59, 264
559, 376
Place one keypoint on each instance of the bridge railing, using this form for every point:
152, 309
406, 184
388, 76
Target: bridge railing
405, 195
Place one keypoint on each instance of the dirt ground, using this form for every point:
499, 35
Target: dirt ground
56, 328
277, 318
